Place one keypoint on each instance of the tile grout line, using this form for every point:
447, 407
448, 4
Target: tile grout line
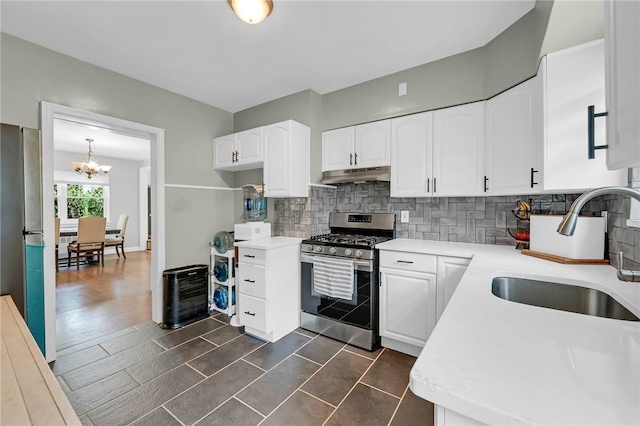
319, 399
170, 413
246, 405
354, 386
307, 359
199, 372
250, 363
380, 390
398, 406
360, 355
305, 382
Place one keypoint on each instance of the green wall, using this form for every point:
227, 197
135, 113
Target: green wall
30, 74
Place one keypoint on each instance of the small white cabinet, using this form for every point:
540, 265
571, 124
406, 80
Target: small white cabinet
415, 289
513, 142
269, 286
407, 300
622, 59
573, 80
239, 151
365, 145
287, 160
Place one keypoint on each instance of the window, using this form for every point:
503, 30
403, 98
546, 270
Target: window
75, 200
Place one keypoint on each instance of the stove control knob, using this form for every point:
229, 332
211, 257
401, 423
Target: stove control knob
348, 252
358, 253
332, 250
310, 247
318, 249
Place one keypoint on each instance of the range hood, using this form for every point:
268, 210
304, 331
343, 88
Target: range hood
368, 174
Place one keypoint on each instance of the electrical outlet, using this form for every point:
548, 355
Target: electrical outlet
404, 216
402, 89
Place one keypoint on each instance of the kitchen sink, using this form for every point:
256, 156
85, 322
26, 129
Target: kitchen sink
562, 297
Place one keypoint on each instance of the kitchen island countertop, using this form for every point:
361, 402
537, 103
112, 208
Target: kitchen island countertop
501, 362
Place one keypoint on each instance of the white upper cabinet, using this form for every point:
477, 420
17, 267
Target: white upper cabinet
286, 160
438, 153
458, 150
622, 59
574, 80
365, 145
411, 155
373, 144
337, 148
513, 142
239, 151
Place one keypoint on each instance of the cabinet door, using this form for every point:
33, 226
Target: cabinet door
514, 140
407, 305
411, 148
338, 149
574, 79
373, 144
250, 147
450, 272
458, 150
224, 149
277, 158
622, 38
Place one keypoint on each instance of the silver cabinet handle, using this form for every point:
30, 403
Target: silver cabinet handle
434, 185
404, 261
355, 156
249, 281
533, 171
351, 159
253, 314
428, 183
249, 255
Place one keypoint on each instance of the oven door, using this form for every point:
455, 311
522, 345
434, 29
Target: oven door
358, 311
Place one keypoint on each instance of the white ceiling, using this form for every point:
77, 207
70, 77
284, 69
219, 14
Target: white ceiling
201, 50
70, 136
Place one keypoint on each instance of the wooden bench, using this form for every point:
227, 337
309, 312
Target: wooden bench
30, 393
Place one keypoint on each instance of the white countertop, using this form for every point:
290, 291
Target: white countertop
269, 243
506, 363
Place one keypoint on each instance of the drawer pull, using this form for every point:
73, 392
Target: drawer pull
249, 281
253, 314
404, 261
249, 255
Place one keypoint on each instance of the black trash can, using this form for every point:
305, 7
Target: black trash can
185, 296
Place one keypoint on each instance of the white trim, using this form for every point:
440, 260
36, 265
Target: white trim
48, 113
633, 223
321, 185
215, 188
144, 174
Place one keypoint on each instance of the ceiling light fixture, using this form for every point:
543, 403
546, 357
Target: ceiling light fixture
90, 166
252, 11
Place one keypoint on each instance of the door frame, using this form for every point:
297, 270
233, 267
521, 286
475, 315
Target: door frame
48, 113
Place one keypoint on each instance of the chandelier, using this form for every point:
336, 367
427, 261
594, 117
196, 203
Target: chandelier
252, 11
90, 166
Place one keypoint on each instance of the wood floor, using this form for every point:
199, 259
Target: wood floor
96, 300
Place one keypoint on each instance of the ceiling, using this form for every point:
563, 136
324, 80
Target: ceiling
201, 50
70, 136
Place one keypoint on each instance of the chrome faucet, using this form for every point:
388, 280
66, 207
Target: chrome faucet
568, 224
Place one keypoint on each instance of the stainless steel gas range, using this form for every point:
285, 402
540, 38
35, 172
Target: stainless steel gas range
340, 278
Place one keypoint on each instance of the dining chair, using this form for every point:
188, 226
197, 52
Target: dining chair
118, 240
57, 239
91, 232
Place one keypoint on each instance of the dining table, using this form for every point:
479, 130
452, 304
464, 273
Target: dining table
73, 232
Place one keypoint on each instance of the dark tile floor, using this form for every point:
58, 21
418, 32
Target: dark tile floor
210, 373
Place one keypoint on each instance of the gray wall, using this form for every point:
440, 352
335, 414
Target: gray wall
123, 190
510, 58
30, 74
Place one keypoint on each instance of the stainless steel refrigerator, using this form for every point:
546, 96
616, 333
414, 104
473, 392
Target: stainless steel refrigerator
21, 244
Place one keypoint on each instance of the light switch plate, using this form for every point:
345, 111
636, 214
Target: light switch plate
404, 216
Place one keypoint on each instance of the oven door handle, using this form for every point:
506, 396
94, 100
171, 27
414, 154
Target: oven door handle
358, 264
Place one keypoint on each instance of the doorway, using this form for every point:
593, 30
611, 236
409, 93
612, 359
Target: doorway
49, 113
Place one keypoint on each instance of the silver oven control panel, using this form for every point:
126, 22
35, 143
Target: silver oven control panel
355, 253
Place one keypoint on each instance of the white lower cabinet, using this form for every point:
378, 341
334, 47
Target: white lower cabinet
414, 291
269, 287
445, 417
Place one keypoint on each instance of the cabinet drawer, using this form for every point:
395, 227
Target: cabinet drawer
253, 256
253, 313
408, 261
252, 280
